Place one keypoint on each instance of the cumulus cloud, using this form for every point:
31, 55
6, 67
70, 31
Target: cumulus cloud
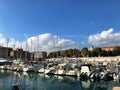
42, 42
48, 42
4, 42
105, 38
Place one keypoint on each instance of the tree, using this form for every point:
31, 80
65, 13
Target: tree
76, 53
65, 53
116, 51
98, 51
84, 52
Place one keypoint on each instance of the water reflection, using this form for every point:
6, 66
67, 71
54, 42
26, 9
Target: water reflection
36, 81
100, 85
1, 71
86, 84
24, 73
16, 74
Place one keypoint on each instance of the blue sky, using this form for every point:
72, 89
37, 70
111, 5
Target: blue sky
73, 20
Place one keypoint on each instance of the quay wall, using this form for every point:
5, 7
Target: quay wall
92, 59
101, 59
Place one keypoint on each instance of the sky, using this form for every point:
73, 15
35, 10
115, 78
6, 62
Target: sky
49, 25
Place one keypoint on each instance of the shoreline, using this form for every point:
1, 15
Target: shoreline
92, 59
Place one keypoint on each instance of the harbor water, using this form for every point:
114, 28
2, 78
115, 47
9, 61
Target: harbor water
37, 81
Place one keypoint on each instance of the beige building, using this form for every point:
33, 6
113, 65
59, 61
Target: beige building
109, 48
40, 55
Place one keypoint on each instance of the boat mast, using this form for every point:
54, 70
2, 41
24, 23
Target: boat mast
7, 49
26, 52
57, 53
31, 57
38, 49
57, 46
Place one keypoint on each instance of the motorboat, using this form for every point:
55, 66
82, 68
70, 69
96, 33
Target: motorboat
60, 72
28, 68
85, 71
5, 62
70, 73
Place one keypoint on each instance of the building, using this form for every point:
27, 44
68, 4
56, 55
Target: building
20, 54
40, 56
5, 52
92, 48
23, 55
109, 48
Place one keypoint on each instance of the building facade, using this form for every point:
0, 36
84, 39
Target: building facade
5, 52
109, 48
38, 56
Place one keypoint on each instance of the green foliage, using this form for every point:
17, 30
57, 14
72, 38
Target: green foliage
85, 52
65, 53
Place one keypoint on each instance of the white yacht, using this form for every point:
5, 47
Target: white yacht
27, 68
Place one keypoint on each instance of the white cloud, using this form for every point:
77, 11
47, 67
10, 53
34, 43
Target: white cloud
2, 40
42, 42
48, 42
8, 42
105, 38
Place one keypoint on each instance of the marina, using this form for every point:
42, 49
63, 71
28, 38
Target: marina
82, 73
68, 67
59, 45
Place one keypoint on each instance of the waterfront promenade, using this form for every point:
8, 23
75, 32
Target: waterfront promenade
94, 60
101, 59
97, 59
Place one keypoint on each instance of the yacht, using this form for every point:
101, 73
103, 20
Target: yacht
5, 62
85, 71
28, 68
